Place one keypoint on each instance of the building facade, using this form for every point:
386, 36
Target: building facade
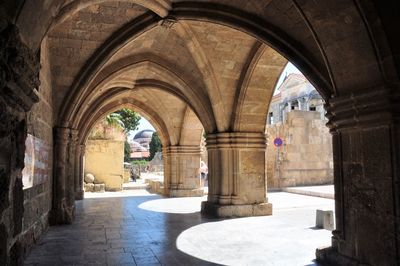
299, 149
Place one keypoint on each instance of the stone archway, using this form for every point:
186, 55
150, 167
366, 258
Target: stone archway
347, 50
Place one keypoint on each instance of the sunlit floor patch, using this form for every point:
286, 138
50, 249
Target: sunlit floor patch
174, 205
117, 194
286, 238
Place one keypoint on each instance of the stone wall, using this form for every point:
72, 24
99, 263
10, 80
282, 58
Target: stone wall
37, 199
104, 159
19, 81
305, 158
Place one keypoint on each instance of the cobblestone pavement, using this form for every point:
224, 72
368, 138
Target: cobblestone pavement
145, 229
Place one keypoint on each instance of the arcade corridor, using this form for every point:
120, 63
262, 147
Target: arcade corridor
194, 68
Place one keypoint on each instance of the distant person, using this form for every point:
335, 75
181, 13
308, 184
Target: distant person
133, 175
203, 173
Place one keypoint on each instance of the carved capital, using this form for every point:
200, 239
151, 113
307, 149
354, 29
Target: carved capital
375, 106
236, 140
74, 136
62, 135
182, 150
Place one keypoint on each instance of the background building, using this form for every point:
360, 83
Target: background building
297, 117
141, 144
295, 93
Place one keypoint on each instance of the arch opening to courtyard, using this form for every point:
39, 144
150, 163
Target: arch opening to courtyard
346, 49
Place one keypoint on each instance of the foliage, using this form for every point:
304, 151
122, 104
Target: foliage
139, 162
114, 120
155, 145
127, 151
129, 119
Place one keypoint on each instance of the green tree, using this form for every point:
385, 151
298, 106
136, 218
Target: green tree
129, 119
127, 151
155, 145
114, 120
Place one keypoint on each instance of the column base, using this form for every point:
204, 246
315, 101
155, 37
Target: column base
198, 192
79, 195
330, 256
227, 211
62, 215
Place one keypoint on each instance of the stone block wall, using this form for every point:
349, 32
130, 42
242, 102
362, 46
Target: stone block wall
104, 159
37, 199
305, 158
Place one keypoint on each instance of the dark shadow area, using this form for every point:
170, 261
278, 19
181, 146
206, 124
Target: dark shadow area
316, 228
116, 231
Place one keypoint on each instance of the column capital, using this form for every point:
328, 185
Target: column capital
62, 134
364, 108
238, 140
187, 150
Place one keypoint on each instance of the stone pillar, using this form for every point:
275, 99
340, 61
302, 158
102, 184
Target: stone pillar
366, 154
19, 80
63, 205
72, 165
79, 171
236, 178
181, 171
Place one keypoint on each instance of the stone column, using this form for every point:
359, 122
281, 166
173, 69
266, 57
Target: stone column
366, 153
72, 165
236, 178
181, 171
63, 206
79, 171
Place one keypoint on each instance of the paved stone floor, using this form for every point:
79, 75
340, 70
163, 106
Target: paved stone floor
145, 229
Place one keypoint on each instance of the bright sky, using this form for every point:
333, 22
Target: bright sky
290, 68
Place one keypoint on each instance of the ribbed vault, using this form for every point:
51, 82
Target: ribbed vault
176, 123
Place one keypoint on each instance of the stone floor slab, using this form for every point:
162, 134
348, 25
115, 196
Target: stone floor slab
146, 229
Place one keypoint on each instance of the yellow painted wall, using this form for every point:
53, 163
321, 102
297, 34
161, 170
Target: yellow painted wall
104, 159
127, 175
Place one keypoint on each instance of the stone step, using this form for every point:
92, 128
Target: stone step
133, 185
317, 191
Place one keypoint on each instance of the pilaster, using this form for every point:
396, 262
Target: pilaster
63, 209
366, 152
79, 171
236, 176
181, 171
19, 81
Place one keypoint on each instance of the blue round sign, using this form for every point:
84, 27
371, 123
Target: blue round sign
278, 142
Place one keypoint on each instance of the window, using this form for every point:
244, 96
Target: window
271, 118
313, 108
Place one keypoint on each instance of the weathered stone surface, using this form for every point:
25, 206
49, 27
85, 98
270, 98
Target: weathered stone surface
324, 219
306, 155
104, 158
89, 178
97, 188
89, 187
230, 211
181, 171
